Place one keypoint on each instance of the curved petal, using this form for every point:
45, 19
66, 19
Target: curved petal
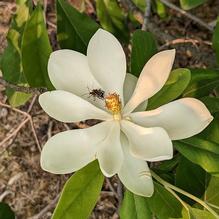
128, 89
110, 155
150, 144
135, 174
67, 107
69, 151
181, 119
69, 70
152, 78
107, 61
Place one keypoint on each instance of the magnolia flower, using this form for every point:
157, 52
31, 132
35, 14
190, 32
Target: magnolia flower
97, 86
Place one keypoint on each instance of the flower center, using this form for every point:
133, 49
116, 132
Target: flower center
113, 104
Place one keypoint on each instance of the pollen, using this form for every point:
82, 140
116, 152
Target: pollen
113, 103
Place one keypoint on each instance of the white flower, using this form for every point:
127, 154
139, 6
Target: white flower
126, 138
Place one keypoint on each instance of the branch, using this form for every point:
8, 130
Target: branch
146, 15
139, 16
187, 14
22, 88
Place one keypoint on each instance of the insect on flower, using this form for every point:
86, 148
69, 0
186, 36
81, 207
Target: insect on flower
97, 93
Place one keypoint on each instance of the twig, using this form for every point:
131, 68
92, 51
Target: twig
187, 14
119, 192
139, 16
146, 15
22, 88
28, 118
182, 41
111, 188
44, 210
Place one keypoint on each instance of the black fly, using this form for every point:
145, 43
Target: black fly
97, 93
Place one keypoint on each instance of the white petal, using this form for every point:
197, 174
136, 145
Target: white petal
151, 144
135, 174
69, 151
152, 78
107, 61
69, 71
181, 119
67, 107
128, 89
110, 155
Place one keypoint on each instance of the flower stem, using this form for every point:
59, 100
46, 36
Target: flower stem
172, 187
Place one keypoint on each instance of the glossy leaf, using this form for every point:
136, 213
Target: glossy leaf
216, 40
6, 212
212, 103
143, 47
191, 178
80, 193
112, 18
195, 213
36, 50
163, 204
189, 4
203, 81
202, 152
173, 88
11, 59
212, 193
134, 207
212, 131
74, 29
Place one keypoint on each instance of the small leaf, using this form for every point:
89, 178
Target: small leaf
80, 193
143, 47
189, 4
196, 179
134, 207
74, 29
202, 152
112, 18
36, 50
203, 81
6, 212
173, 88
11, 59
216, 39
163, 204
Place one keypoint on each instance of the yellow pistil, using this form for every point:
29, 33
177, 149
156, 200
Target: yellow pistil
113, 104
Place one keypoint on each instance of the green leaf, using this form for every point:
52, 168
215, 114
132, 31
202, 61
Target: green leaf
11, 59
163, 204
212, 131
216, 39
134, 207
143, 47
6, 212
203, 81
80, 193
191, 178
36, 50
195, 213
160, 9
74, 29
212, 103
174, 87
202, 152
189, 4
112, 18
212, 193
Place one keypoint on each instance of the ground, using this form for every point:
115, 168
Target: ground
32, 192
